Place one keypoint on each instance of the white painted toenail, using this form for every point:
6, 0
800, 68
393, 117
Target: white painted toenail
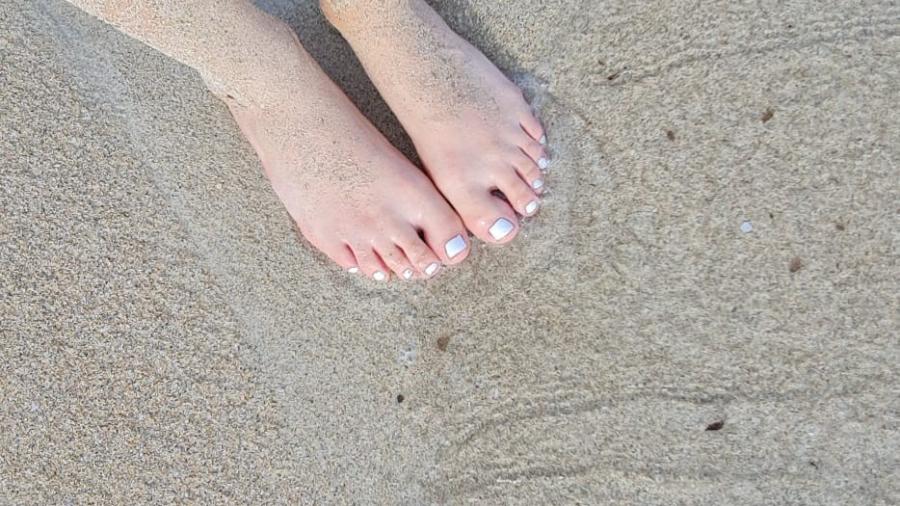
531, 207
379, 276
501, 228
407, 274
432, 268
455, 246
543, 140
537, 184
353, 270
543, 163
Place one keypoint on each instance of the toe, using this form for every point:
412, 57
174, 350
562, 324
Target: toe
489, 217
533, 128
395, 259
445, 234
342, 255
503, 229
369, 262
529, 172
419, 253
536, 152
518, 193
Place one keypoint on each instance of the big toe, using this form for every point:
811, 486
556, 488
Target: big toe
487, 215
444, 233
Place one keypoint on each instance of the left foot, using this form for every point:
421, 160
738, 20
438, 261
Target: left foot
473, 129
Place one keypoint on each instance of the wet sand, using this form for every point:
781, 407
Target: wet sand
718, 251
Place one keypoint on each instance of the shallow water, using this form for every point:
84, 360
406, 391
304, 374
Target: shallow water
169, 337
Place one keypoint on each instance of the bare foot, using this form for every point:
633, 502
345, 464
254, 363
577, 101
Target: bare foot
352, 194
473, 129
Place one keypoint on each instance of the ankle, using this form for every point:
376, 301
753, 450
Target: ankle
349, 15
270, 48
341, 13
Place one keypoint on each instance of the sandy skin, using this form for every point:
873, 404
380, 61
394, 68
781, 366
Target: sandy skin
352, 194
472, 127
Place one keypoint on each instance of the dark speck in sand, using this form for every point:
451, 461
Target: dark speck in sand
840, 226
670, 135
716, 425
613, 76
795, 265
767, 115
442, 342
400, 398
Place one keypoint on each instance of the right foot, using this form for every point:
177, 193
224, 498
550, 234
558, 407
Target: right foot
477, 137
351, 193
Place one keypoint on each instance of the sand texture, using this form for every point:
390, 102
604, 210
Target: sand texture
720, 244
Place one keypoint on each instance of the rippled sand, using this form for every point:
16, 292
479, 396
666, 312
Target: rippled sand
704, 312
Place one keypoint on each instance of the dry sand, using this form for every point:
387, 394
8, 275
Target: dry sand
165, 338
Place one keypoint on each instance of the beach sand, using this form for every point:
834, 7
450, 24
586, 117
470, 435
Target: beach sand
718, 250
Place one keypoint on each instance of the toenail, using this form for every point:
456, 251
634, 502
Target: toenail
501, 228
543, 163
543, 140
407, 274
537, 184
353, 270
455, 246
379, 276
531, 207
432, 268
